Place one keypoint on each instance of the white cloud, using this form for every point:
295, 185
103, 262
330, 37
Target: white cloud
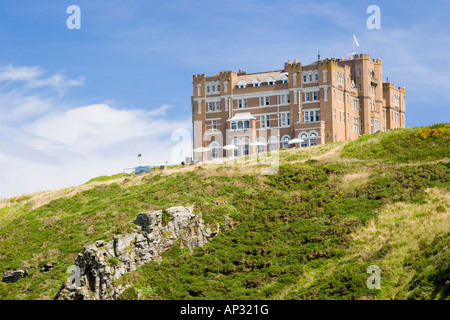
11, 73
32, 77
92, 128
46, 143
71, 147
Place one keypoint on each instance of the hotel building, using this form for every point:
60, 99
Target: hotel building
324, 101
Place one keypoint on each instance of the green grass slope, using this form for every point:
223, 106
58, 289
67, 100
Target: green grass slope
308, 232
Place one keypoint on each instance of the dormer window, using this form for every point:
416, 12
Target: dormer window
241, 84
270, 81
284, 79
256, 83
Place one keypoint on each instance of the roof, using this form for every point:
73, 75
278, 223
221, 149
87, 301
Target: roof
262, 76
242, 116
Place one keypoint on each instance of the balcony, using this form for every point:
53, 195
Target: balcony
373, 81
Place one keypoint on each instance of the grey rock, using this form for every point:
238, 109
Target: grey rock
12, 276
103, 262
48, 266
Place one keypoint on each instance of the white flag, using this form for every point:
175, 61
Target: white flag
355, 40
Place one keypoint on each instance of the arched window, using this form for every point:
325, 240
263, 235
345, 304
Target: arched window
284, 141
304, 137
245, 147
262, 148
273, 143
214, 146
312, 138
237, 144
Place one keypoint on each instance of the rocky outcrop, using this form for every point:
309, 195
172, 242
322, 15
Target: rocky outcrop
103, 262
12, 276
48, 267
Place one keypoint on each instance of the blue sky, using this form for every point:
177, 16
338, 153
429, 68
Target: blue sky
75, 104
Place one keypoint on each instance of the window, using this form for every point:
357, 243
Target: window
372, 105
359, 72
240, 125
207, 89
355, 104
245, 147
334, 114
310, 78
372, 90
210, 106
261, 148
284, 141
214, 125
315, 95
214, 146
355, 124
285, 119
308, 96
313, 138
311, 115
265, 121
218, 88
242, 103
217, 105
236, 151
341, 78
264, 101
285, 99
304, 137
348, 117
273, 143
304, 78
316, 77
397, 100
374, 125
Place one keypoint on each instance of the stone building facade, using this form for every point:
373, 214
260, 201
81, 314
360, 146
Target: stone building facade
325, 101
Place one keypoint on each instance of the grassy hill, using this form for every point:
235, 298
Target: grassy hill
308, 232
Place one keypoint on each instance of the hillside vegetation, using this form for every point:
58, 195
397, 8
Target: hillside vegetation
308, 232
